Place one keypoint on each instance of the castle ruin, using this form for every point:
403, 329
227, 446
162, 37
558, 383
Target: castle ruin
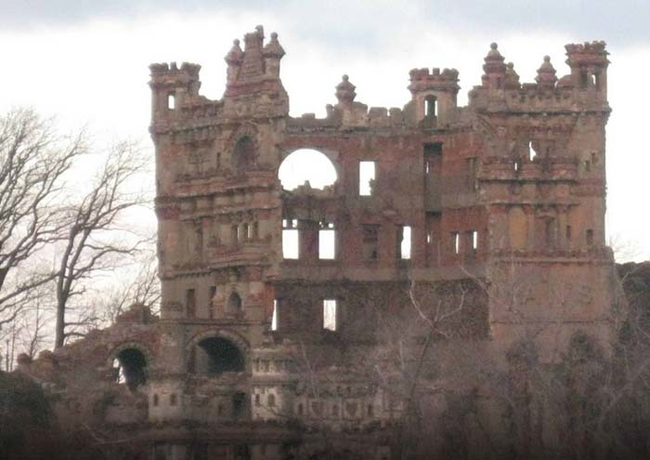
272, 299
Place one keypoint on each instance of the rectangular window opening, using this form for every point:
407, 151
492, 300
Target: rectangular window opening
432, 158
430, 107
456, 242
366, 177
404, 242
190, 302
274, 317
290, 239
329, 315
474, 240
568, 232
213, 294
471, 174
234, 234
590, 237
171, 101
326, 241
370, 242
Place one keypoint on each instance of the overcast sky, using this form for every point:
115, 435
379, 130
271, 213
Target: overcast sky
87, 62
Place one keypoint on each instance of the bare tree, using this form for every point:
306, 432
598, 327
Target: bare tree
33, 161
139, 285
96, 242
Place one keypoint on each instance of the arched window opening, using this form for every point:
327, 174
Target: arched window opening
307, 165
431, 107
129, 367
171, 101
234, 303
244, 153
216, 355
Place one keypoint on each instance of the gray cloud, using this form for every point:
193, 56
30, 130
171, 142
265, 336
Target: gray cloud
371, 22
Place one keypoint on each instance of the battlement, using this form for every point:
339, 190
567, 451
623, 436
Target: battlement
595, 48
423, 79
164, 73
585, 88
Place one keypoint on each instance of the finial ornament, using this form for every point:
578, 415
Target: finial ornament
345, 90
546, 74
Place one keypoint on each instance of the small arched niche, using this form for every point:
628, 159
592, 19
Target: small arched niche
234, 304
130, 368
307, 165
215, 355
244, 153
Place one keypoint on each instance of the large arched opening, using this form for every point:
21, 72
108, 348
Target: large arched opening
307, 165
214, 356
130, 368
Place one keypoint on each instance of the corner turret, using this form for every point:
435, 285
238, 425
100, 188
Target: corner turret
588, 64
172, 88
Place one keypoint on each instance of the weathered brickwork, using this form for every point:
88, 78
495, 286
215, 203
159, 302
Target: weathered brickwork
503, 199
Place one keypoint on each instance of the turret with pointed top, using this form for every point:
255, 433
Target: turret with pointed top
234, 59
494, 68
273, 53
546, 78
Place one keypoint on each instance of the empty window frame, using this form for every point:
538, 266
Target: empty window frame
432, 157
404, 242
212, 295
471, 173
326, 241
367, 171
370, 233
330, 320
234, 235
171, 101
532, 153
474, 239
274, 316
190, 302
290, 239
455, 241
430, 107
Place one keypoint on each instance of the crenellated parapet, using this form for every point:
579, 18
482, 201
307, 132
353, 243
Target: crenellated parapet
434, 94
172, 88
585, 88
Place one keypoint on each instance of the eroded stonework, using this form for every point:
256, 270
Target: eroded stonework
500, 204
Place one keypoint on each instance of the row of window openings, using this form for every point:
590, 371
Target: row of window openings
329, 308
244, 232
456, 240
329, 312
234, 301
270, 402
327, 241
317, 407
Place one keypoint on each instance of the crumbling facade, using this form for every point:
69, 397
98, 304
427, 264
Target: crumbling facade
507, 194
